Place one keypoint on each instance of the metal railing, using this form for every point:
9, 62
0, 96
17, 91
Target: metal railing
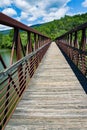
74, 44
15, 79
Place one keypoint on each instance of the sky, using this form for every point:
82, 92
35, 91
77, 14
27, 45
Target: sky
31, 12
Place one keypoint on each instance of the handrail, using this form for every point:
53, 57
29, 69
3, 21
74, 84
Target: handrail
78, 28
74, 44
38, 38
15, 79
15, 65
6, 20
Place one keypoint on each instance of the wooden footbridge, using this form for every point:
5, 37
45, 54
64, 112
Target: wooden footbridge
46, 88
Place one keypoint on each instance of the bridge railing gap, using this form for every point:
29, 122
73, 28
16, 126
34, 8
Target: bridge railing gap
15, 79
74, 45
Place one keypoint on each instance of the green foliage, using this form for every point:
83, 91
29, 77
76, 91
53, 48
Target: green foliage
6, 40
1, 37
23, 36
58, 27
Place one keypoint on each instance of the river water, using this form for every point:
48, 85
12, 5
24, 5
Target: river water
6, 54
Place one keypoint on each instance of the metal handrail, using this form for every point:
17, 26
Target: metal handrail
6, 20
74, 47
15, 79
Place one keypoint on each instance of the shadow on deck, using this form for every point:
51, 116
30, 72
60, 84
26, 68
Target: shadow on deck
82, 79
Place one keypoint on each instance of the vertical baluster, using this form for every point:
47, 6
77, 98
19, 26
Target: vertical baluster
12, 52
38, 41
35, 42
76, 56
29, 45
68, 43
71, 50
83, 49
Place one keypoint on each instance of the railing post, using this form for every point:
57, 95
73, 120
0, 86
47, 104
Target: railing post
29, 45
76, 56
68, 43
38, 41
12, 53
34, 41
18, 44
75, 40
71, 51
13, 47
43, 40
70, 39
83, 42
83, 39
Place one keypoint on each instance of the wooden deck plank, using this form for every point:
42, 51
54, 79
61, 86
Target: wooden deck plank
54, 100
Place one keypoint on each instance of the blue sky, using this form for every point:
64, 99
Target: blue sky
32, 12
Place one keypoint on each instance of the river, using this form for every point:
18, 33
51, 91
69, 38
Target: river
6, 54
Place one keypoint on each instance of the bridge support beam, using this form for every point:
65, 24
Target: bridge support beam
18, 44
29, 44
83, 46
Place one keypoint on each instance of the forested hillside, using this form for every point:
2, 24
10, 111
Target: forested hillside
52, 29
58, 27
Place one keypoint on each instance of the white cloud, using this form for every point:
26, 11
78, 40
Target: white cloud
5, 3
56, 14
9, 12
29, 25
84, 4
24, 15
47, 9
72, 14
36, 11
22, 4
3, 27
18, 19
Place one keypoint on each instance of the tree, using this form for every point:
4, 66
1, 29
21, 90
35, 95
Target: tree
1, 38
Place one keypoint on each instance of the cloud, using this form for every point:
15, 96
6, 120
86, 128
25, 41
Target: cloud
55, 14
77, 13
3, 27
84, 4
46, 9
22, 4
9, 12
5, 3
35, 11
24, 15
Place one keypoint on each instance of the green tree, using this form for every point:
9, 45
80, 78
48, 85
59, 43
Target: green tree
1, 38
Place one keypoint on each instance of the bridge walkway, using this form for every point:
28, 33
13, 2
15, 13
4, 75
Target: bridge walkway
54, 100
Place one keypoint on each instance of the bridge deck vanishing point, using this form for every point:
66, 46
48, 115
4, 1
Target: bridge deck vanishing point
54, 100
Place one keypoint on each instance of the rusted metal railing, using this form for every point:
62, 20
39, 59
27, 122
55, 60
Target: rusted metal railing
15, 79
74, 44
